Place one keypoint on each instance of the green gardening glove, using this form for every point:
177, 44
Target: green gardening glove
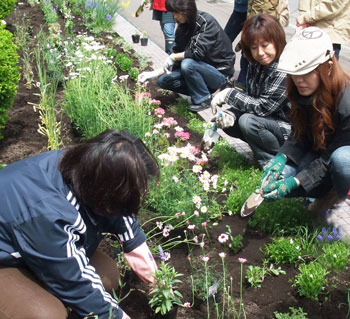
278, 189
273, 169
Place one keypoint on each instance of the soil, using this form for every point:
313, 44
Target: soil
22, 140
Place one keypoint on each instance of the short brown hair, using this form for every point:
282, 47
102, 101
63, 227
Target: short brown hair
262, 26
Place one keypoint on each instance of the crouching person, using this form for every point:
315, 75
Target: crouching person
54, 207
315, 160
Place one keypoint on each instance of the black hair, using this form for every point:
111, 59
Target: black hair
188, 8
109, 173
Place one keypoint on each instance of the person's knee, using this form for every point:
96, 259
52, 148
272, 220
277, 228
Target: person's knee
339, 161
164, 81
187, 65
53, 310
246, 123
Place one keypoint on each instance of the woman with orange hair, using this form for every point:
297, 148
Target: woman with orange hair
315, 160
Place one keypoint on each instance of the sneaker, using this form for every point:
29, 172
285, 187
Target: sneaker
200, 107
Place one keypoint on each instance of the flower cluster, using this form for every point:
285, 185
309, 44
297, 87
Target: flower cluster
329, 235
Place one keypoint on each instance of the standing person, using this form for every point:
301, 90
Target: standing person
202, 57
315, 160
331, 16
259, 115
54, 208
167, 23
233, 27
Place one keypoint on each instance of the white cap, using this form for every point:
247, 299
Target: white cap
305, 51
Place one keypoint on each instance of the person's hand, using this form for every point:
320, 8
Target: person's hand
147, 75
219, 99
301, 22
168, 64
273, 169
279, 189
225, 119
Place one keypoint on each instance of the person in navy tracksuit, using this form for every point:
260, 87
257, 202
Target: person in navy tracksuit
54, 207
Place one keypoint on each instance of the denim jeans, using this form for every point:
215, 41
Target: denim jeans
263, 134
168, 30
339, 174
194, 78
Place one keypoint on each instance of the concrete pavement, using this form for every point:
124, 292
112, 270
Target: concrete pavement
127, 24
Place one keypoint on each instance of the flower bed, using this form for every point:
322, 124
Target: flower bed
234, 265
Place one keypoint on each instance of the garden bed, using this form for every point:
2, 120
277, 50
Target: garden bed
276, 293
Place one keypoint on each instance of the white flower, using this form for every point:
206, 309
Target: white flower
196, 168
173, 158
147, 134
206, 186
155, 131
335, 255
175, 179
229, 212
191, 227
311, 276
222, 255
178, 129
204, 209
196, 199
163, 156
206, 174
205, 258
223, 238
291, 241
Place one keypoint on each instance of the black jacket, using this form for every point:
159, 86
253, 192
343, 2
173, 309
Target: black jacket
317, 172
206, 42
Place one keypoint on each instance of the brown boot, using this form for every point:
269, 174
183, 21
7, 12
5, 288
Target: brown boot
323, 204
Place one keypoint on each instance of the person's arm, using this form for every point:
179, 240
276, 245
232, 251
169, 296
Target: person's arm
272, 96
136, 251
51, 245
326, 9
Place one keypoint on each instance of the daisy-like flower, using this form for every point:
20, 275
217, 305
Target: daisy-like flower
204, 224
147, 134
205, 258
204, 209
155, 131
158, 126
203, 179
242, 260
206, 174
222, 255
163, 156
166, 232
178, 129
173, 158
172, 150
187, 305
223, 238
206, 186
166, 256
167, 135
175, 179
196, 199
196, 168
159, 225
191, 157
191, 227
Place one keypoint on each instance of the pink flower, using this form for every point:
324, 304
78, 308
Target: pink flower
195, 239
196, 213
205, 258
195, 150
159, 111
223, 238
187, 305
166, 232
169, 121
156, 102
242, 260
222, 255
183, 214
204, 224
182, 135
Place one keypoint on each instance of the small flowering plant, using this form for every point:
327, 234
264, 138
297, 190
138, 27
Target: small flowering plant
164, 293
284, 250
335, 256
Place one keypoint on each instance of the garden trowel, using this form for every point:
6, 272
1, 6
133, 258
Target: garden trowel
140, 8
254, 200
210, 137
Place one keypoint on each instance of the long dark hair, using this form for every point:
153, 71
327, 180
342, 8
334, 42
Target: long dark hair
186, 7
262, 26
109, 173
333, 80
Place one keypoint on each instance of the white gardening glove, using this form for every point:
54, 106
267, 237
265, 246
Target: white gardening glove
225, 119
168, 64
147, 75
219, 99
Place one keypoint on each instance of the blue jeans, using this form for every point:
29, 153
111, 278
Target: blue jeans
338, 175
194, 78
263, 134
168, 30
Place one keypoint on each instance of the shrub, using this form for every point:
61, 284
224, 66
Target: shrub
134, 73
124, 62
6, 7
9, 74
284, 250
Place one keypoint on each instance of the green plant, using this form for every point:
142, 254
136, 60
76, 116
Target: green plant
110, 53
294, 314
134, 73
2, 165
9, 74
311, 280
256, 274
198, 125
181, 108
164, 293
236, 242
335, 255
284, 250
50, 13
124, 62
6, 7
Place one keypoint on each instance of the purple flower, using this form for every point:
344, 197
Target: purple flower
324, 231
330, 238
87, 5
320, 238
334, 231
108, 17
337, 237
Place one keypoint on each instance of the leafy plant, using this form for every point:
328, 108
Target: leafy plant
9, 74
198, 125
164, 293
311, 280
134, 73
6, 7
294, 314
124, 62
49, 10
284, 250
256, 274
335, 256
236, 242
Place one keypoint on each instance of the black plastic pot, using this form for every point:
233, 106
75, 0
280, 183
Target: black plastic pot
169, 315
144, 41
135, 38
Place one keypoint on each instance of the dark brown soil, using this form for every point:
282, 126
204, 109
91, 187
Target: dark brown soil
22, 140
